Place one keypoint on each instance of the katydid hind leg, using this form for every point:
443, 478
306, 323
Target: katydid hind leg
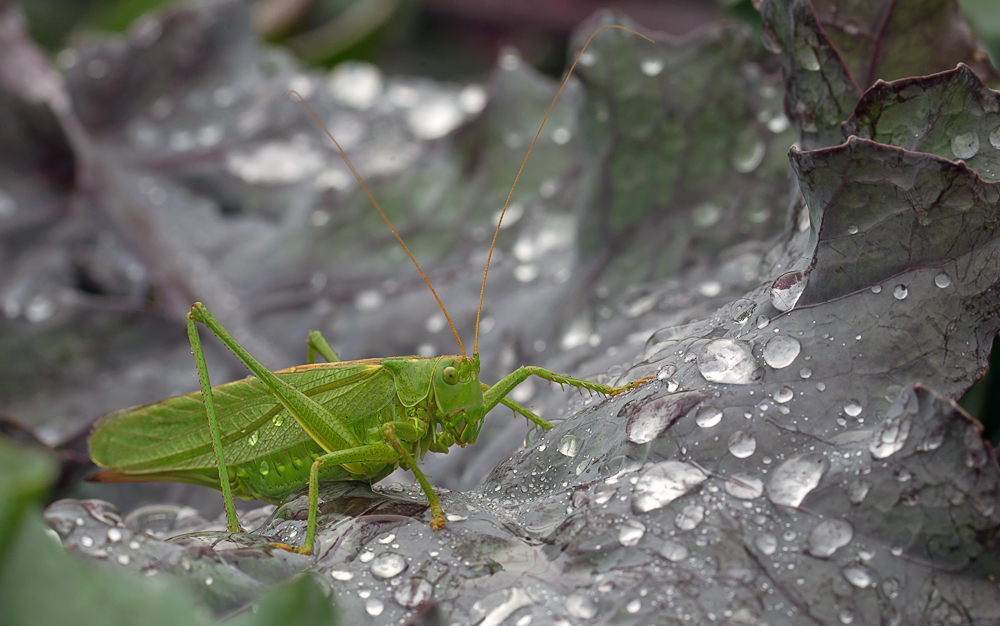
321, 425
232, 521
319, 345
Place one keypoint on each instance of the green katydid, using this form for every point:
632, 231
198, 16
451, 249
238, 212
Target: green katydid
270, 434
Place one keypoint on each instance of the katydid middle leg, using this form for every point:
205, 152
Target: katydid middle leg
318, 344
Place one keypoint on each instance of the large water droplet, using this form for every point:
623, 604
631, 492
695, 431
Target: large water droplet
434, 118
853, 408
651, 67
254, 436
374, 607
356, 84
794, 479
766, 543
413, 592
828, 537
631, 532
787, 289
388, 565
891, 436
663, 483
783, 395
900, 292
569, 445
580, 606
742, 444
655, 416
673, 551
965, 145
781, 350
369, 300
690, 516
728, 361
744, 487
341, 575
942, 280
264, 468
858, 490
708, 416
859, 576
741, 310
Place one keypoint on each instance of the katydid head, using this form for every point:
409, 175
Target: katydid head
459, 397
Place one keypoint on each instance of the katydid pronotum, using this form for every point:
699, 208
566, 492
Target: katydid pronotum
270, 434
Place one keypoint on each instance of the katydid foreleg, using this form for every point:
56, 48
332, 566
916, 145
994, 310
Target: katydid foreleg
497, 393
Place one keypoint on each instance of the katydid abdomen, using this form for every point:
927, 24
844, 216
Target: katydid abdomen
267, 452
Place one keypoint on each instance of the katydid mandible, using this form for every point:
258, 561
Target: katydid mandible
270, 434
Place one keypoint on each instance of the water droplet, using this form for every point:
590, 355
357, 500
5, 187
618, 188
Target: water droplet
561, 136
787, 289
728, 361
763, 321
708, 416
828, 537
580, 606
853, 408
783, 395
778, 124
794, 479
274, 163
254, 436
123, 559
413, 592
744, 487
472, 99
741, 310
341, 575
663, 483
279, 419
890, 587
588, 58
209, 580
805, 372
356, 84
742, 444
942, 280
86, 541
374, 607
673, 551
706, 215
633, 605
369, 300
690, 516
651, 67
766, 543
434, 118
388, 565
114, 535
749, 153
630, 532
852, 229
900, 292
807, 58
39, 309
846, 616
894, 431
653, 417
264, 468
569, 445
858, 575
965, 145
781, 350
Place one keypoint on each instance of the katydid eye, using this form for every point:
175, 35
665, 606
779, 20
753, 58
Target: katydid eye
450, 375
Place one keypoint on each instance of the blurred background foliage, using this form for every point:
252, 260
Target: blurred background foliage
453, 40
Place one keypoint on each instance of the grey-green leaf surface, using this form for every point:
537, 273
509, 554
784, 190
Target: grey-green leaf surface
799, 458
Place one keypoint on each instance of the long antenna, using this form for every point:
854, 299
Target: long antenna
316, 119
482, 289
